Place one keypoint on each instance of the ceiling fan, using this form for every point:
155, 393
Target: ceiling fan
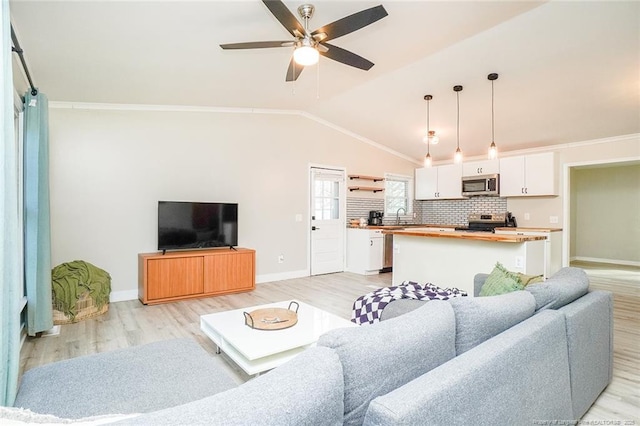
309, 45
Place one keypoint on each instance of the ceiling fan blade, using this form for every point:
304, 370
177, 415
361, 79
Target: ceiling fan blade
344, 56
294, 70
257, 44
284, 15
352, 23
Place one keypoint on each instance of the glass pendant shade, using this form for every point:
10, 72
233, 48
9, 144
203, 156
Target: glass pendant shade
306, 55
493, 151
427, 160
457, 158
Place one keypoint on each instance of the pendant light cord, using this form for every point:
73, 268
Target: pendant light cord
493, 138
458, 118
428, 141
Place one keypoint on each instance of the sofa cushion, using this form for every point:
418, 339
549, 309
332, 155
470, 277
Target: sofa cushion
500, 281
380, 357
138, 379
562, 288
308, 390
480, 318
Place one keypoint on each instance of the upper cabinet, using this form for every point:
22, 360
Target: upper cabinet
528, 175
439, 183
476, 168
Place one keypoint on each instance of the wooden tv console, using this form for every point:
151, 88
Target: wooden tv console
190, 274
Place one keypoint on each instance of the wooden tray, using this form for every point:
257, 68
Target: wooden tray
272, 318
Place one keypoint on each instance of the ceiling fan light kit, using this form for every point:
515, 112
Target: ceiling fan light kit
493, 149
306, 55
310, 45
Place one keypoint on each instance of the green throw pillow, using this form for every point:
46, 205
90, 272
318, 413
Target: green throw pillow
529, 279
500, 281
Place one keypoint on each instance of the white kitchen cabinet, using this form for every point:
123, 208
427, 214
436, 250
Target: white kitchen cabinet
439, 183
365, 251
478, 168
528, 175
553, 246
426, 183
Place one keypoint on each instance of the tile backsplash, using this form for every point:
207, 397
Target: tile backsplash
455, 212
437, 212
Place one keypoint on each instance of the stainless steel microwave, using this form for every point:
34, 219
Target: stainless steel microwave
481, 185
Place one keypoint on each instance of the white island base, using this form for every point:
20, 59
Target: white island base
453, 262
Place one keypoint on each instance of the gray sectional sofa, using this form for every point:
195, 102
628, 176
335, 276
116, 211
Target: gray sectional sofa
544, 353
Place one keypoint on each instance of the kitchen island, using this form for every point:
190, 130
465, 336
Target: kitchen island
452, 258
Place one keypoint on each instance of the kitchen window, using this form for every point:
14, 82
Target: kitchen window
398, 190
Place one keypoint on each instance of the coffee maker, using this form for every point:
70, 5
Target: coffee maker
375, 217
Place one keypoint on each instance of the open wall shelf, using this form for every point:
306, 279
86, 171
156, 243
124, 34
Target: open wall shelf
363, 177
366, 188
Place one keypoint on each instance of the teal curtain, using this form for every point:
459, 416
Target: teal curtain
37, 230
10, 280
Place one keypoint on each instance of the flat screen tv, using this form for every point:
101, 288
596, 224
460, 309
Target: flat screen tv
186, 225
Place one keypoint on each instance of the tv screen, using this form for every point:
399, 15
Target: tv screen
187, 225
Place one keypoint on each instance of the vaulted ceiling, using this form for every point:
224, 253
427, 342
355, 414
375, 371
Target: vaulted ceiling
568, 71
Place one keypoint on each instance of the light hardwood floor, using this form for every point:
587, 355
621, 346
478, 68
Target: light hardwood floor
131, 323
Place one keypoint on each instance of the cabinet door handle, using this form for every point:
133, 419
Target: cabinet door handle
522, 190
371, 242
314, 228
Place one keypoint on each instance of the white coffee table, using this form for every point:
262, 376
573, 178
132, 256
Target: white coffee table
256, 351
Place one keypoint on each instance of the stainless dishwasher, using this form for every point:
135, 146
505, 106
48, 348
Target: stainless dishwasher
388, 253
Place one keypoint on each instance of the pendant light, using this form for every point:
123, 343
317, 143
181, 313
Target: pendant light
427, 158
493, 149
457, 158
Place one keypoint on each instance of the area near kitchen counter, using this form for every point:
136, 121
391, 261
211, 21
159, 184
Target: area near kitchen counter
480, 236
452, 258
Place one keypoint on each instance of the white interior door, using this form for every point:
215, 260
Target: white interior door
328, 223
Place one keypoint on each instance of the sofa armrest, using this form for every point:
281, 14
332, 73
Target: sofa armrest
589, 322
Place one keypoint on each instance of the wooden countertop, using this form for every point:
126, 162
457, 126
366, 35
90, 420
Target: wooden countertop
523, 229
398, 227
480, 236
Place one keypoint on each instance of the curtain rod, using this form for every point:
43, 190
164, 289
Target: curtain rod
16, 48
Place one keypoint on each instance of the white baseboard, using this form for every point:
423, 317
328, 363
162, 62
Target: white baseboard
267, 278
611, 261
121, 296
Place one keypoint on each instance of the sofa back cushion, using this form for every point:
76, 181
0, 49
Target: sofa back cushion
480, 318
561, 288
308, 390
381, 357
515, 378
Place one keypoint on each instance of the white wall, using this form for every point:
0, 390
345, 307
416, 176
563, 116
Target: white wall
110, 167
540, 209
607, 213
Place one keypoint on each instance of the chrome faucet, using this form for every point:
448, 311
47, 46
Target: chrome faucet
398, 215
